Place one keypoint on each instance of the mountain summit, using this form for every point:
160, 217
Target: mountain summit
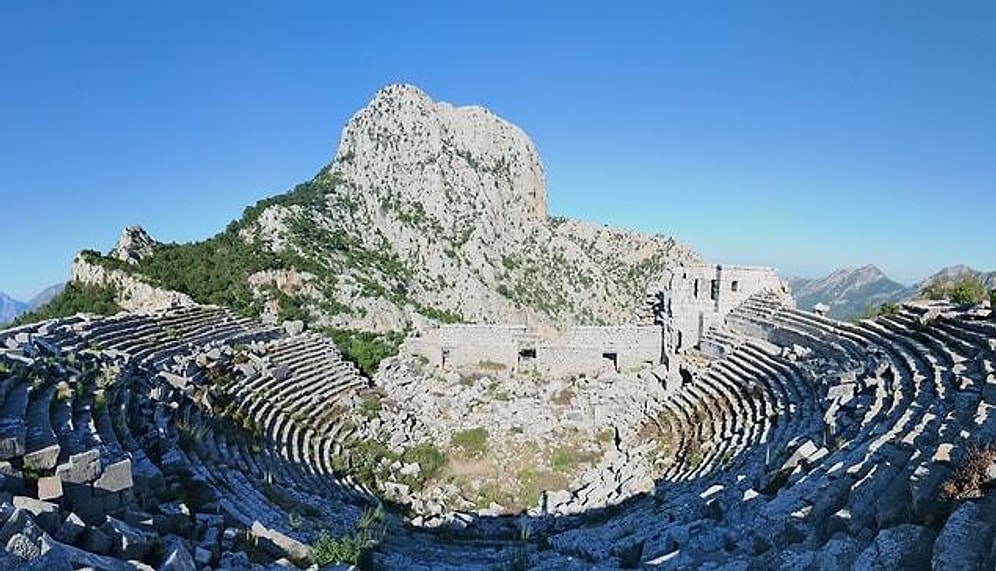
848, 292
426, 210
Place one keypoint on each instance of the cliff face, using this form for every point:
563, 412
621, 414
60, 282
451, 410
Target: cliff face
457, 196
435, 211
133, 294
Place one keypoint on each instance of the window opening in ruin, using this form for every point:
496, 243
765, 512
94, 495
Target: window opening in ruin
735, 286
526, 355
444, 356
686, 377
614, 358
696, 289
714, 290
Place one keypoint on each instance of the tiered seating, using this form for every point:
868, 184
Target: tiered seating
106, 433
804, 442
850, 431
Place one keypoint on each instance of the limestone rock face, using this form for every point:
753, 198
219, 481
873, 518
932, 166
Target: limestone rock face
133, 245
429, 207
427, 211
133, 293
452, 160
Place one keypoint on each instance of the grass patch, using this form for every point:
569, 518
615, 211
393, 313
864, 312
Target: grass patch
351, 548
491, 366
430, 460
472, 443
370, 406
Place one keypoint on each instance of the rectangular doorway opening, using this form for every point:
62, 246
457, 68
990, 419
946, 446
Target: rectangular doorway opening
613, 358
527, 355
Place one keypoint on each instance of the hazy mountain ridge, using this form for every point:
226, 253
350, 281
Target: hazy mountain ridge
848, 292
11, 309
851, 292
45, 295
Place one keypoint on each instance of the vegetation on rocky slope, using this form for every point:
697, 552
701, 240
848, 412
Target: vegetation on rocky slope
75, 298
968, 289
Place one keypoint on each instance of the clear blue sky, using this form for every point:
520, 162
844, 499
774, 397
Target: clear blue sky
804, 135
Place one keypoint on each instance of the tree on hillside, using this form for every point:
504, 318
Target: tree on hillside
968, 290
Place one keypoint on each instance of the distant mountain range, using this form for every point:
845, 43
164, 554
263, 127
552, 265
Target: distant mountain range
850, 292
11, 308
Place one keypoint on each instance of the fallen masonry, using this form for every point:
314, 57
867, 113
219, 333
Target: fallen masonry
192, 438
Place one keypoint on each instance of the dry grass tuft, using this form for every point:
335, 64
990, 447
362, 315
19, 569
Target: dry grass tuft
971, 476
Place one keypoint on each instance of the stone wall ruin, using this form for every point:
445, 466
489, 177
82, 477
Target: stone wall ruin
699, 297
518, 348
694, 299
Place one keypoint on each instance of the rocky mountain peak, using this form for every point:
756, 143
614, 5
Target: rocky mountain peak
870, 272
133, 245
455, 162
848, 292
428, 210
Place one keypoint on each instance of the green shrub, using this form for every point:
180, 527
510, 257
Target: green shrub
364, 348
328, 549
440, 315
472, 442
291, 308
351, 548
968, 290
364, 461
370, 407
430, 460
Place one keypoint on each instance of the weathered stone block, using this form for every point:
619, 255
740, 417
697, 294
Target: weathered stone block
177, 557
235, 560
22, 546
43, 459
12, 441
81, 468
96, 541
21, 522
278, 544
70, 530
128, 542
202, 556
902, 547
49, 560
45, 514
49, 488
965, 540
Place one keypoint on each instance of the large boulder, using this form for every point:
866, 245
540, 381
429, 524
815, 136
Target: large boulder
965, 540
905, 546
